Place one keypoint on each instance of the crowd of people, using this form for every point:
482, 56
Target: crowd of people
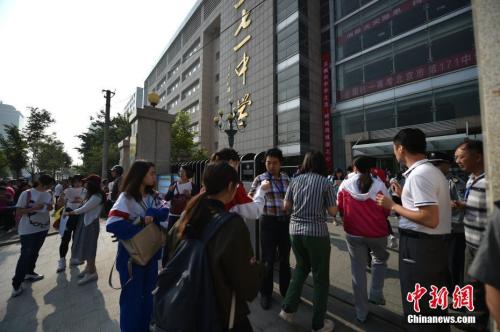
444, 235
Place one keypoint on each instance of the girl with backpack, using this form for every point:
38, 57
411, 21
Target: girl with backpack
87, 231
365, 224
33, 207
234, 270
137, 206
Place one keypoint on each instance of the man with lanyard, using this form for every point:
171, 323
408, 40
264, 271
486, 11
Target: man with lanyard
456, 245
424, 226
274, 226
469, 157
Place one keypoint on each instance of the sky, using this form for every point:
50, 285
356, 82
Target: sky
59, 55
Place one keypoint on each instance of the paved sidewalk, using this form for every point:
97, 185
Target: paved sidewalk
57, 303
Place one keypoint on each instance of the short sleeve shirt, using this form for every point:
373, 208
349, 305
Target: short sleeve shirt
485, 265
311, 194
38, 221
426, 185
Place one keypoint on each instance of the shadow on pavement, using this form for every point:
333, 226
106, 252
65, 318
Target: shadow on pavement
24, 306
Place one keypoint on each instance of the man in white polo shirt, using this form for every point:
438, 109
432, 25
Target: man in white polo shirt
424, 226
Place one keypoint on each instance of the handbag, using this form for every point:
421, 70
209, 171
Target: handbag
178, 203
145, 244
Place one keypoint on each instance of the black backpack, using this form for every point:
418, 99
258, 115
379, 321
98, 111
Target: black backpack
184, 299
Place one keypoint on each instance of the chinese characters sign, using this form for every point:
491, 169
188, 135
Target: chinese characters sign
242, 39
438, 67
325, 107
463, 297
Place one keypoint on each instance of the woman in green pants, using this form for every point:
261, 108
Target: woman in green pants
309, 196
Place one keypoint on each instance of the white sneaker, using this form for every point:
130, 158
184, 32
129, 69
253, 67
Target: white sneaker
61, 265
33, 277
392, 242
16, 292
87, 278
286, 316
328, 326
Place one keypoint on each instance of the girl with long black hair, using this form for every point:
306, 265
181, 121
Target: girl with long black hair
137, 206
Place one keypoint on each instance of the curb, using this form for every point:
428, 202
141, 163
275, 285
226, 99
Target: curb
18, 240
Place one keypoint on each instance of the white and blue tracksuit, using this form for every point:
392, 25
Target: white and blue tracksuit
136, 300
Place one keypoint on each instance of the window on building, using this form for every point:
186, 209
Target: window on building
457, 102
409, 18
285, 8
375, 29
380, 117
288, 83
349, 37
452, 38
439, 8
354, 122
288, 41
414, 110
378, 65
411, 52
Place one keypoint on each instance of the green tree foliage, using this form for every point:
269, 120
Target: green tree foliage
51, 156
183, 146
35, 134
92, 140
14, 148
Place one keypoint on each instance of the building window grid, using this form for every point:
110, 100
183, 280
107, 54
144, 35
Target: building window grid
191, 70
430, 42
192, 50
190, 90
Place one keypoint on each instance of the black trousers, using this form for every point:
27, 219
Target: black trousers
456, 260
275, 239
422, 260
30, 247
480, 308
69, 233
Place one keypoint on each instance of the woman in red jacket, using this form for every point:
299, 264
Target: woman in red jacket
366, 228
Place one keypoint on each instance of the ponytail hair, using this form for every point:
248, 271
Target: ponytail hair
216, 178
363, 166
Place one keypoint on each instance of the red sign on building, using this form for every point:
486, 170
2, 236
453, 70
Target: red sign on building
326, 102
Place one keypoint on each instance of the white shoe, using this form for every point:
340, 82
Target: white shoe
16, 292
392, 242
286, 316
61, 265
75, 262
33, 277
87, 278
327, 327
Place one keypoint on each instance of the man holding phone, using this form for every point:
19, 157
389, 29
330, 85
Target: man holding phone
424, 226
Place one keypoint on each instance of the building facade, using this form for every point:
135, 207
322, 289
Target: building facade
135, 101
400, 63
261, 57
341, 76
9, 116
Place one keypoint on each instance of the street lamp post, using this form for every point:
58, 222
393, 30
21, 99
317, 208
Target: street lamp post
231, 124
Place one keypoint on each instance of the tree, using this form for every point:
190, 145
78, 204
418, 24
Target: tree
14, 148
92, 140
51, 157
34, 132
182, 144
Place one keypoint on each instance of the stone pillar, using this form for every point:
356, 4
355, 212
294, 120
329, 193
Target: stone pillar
486, 15
124, 148
151, 141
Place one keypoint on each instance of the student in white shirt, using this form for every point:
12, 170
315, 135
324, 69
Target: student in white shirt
87, 231
72, 198
34, 205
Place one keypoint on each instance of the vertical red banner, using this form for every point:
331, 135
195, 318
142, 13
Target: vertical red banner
325, 109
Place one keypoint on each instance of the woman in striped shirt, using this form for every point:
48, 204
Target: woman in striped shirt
308, 196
